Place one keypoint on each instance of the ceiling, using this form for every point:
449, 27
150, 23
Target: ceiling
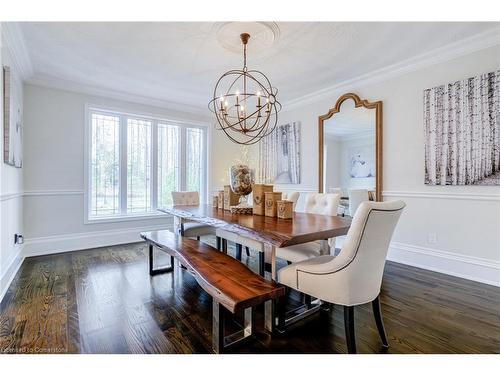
179, 62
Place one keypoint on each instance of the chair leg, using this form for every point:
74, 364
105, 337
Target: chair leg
218, 242
377, 313
247, 250
239, 249
224, 246
349, 329
262, 265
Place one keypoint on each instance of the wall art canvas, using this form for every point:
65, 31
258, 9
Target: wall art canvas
361, 162
279, 156
12, 123
462, 132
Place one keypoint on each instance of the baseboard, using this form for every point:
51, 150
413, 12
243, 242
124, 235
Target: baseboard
9, 274
467, 267
88, 240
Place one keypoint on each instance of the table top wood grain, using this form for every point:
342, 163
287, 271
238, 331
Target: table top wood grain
302, 228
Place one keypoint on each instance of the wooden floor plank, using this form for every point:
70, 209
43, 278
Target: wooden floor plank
103, 301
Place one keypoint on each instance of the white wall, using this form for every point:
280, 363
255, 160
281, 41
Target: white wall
54, 173
11, 181
464, 221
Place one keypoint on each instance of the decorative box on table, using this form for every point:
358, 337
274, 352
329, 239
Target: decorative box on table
284, 209
270, 199
220, 200
258, 197
230, 198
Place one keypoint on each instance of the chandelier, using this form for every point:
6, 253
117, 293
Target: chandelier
244, 103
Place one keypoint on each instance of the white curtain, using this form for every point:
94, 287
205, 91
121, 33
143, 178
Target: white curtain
462, 131
279, 155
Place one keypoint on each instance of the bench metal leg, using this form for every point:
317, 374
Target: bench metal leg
217, 327
161, 270
219, 341
269, 316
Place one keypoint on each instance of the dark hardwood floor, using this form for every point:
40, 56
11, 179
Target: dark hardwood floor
103, 301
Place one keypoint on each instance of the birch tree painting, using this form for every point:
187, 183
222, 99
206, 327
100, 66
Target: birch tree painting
279, 155
462, 132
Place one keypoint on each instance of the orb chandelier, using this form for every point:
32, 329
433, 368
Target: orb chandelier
244, 103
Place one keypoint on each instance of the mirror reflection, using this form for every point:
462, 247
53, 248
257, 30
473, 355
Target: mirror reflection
349, 155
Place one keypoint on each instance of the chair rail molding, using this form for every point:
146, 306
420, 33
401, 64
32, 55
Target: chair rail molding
33, 193
441, 195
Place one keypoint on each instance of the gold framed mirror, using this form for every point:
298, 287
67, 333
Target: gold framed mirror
350, 146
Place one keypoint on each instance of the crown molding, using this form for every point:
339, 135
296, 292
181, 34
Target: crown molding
79, 88
487, 39
14, 42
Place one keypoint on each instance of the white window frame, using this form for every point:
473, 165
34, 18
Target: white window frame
155, 119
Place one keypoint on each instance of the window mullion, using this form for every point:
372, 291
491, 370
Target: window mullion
183, 158
123, 165
154, 165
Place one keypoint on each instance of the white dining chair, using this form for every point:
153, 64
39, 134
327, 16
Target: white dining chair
292, 197
354, 277
356, 196
315, 203
189, 228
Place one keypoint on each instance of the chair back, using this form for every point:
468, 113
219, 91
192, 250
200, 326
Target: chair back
292, 197
365, 250
186, 198
322, 204
356, 196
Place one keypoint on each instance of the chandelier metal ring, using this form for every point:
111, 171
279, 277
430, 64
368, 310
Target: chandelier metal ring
248, 115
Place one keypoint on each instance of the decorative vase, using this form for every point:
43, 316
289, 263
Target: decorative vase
241, 180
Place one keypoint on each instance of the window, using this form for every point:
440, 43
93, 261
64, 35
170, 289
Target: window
135, 162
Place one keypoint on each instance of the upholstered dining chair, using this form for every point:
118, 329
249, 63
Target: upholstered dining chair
356, 196
315, 203
189, 228
292, 197
354, 277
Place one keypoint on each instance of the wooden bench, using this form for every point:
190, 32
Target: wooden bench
231, 284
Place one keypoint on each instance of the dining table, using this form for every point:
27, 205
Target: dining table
272, 232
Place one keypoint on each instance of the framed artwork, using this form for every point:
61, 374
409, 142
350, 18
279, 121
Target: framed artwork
462, 132
279, 156
12, 123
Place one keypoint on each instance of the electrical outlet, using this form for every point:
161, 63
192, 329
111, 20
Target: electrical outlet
18, 239
432, 238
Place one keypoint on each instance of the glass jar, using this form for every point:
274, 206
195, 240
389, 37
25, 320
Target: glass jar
241, 178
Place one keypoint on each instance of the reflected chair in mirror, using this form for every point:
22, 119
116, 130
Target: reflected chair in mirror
354, 277
315, 203
356, 197
189, 228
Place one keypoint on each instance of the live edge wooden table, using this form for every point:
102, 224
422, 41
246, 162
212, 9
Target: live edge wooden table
271, 231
